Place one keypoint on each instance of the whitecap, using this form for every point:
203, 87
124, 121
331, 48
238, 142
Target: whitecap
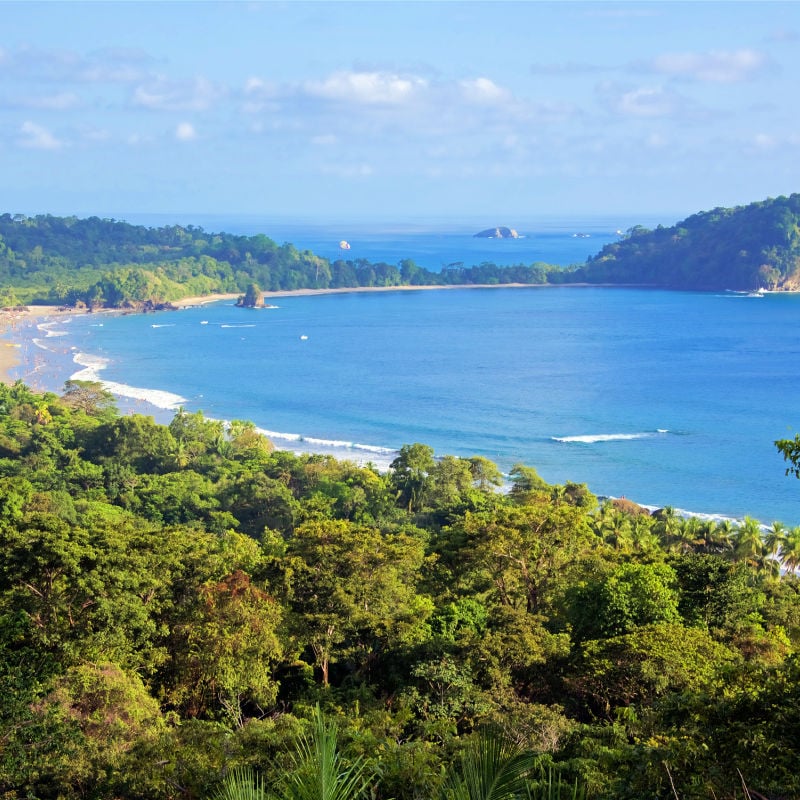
601, 437
326, 442
40, 344
47, 327
236, 325
92, 365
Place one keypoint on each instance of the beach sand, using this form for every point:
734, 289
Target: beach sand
11, 322
9, 347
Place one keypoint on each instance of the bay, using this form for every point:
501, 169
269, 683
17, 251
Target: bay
668, 398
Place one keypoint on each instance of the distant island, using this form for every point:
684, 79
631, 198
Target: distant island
105, 263
497, 233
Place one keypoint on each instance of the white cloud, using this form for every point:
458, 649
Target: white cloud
165, 95
37, 137
366, 88
645, 102
484, 90
185, 132
717, 66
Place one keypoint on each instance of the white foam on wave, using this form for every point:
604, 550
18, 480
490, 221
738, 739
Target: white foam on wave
608, 437
236, 325
327, 444
47, 328
163, 325
92, 366
40, 344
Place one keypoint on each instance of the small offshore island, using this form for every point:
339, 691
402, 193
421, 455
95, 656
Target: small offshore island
190, 613
497, 233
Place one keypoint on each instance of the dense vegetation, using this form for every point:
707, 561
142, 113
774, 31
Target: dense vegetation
744, 248
106, 263
177, 600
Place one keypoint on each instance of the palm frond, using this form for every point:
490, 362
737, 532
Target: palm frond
242, 784
320, 772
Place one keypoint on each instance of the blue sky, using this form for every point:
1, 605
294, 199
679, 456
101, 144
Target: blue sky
410, 110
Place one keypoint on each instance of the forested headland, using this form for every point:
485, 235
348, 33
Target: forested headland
107, 263
102, 263
177, 600
746, 248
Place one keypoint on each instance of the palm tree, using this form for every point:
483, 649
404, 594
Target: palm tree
775, 538
492, 768
642, 537
748, 543
719, 538
690, 534
319, 771
242, 784
615, 528
790, 550
667, 526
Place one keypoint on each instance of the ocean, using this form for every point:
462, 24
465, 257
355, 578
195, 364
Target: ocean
667, 398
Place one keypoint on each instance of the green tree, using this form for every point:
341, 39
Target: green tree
790, 450
522, 553
633, 595
410, 475
353, 591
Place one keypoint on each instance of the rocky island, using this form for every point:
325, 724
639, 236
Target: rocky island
497, 233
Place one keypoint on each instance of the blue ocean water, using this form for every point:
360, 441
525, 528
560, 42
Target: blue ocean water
663, 397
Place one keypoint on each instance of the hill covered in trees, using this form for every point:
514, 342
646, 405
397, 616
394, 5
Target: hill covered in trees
108, 263
743, 248
175, 601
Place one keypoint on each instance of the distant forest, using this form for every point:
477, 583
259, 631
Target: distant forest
107, 263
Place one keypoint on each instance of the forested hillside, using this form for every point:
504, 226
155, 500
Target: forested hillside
107, 263
744, 248
176, 600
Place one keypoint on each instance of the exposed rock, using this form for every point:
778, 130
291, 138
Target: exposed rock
629, 507
497, 233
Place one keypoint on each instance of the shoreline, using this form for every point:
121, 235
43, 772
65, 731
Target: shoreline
10, 346
19, 328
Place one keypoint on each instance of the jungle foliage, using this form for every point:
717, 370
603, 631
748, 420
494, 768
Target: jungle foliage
187, 611
108, 263
745, 248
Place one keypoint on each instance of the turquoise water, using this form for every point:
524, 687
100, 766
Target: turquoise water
664, 397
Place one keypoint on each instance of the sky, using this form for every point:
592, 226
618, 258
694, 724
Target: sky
397, 110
